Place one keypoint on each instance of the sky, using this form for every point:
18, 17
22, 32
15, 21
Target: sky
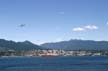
41, 21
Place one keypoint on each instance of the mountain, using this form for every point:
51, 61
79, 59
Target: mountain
78, 45
26, 45
64, 45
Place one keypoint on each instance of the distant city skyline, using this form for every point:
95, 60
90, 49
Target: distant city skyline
41, 21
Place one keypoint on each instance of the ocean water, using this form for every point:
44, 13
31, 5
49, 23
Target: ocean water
75, 63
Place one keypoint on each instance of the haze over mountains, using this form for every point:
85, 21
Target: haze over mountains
64, 45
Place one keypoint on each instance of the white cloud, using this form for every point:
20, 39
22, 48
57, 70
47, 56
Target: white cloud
91, 27
85, 28
78, 29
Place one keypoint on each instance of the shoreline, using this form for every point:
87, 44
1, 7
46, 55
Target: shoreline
49, 56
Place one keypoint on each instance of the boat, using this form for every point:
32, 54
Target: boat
49, 55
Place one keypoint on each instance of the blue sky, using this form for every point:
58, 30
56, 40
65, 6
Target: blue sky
53, 20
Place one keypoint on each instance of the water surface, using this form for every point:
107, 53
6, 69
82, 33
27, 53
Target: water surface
75, 63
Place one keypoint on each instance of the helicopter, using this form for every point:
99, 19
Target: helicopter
22, 25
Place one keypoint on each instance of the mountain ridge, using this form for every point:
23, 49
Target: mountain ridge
75, 44
26, 45
72, 44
